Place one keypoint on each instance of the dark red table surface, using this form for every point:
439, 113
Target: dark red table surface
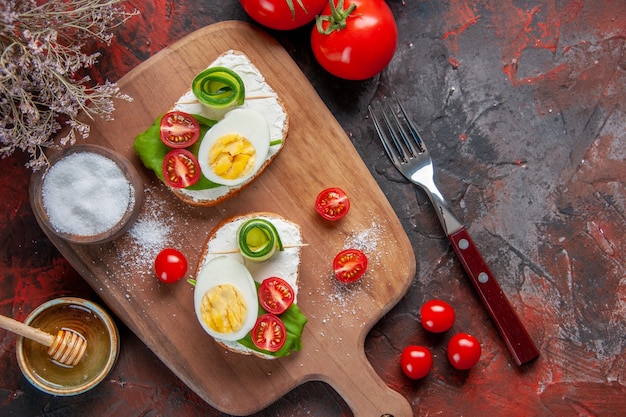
522, 104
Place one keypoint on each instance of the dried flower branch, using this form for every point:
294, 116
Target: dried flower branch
42, 53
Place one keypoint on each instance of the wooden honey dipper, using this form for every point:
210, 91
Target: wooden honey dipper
67, 347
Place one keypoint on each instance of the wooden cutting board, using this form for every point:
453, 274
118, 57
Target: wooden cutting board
317, 155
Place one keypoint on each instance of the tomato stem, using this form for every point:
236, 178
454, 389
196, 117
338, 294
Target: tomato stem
292, 9
337, 18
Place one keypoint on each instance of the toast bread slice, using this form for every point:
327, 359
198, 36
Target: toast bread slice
260, 96
285, 264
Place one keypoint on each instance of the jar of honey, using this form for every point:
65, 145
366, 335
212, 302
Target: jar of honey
84, 317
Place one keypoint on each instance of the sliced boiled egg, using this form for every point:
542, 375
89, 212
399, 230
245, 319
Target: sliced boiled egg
225, 298
234, 149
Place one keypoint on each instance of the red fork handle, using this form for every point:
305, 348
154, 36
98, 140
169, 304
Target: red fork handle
506, 320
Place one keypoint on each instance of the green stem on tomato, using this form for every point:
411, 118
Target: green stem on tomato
337, 18
292, 9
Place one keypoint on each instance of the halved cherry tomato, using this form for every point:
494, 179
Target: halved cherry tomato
349, 265
437, 316
170, 265
463, 351
180, 168
332, 203
275, 295
179, 129
269, 333
416, 361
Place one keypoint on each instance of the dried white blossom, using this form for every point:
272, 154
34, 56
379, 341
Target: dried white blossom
42, 49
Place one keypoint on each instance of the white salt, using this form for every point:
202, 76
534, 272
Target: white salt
365, 240
150, 234
85, 194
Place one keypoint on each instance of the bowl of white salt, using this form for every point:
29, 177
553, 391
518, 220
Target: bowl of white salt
89, 194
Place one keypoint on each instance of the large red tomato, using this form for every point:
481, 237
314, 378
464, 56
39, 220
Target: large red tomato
355, 39
283, 14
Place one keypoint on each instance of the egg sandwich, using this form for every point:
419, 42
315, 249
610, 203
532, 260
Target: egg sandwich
226, 294
242, 125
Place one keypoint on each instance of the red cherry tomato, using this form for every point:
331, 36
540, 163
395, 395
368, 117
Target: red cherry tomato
416, 361
269, 333
349, 265
170, 265
179, 130
463, 351
275, 295
180, 168
283, 14
437, 316
362, 45
332, 203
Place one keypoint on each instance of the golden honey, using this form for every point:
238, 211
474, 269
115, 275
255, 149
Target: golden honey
102, 347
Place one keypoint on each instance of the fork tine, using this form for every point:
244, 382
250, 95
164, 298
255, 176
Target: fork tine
416, 145
397, 132
392, 147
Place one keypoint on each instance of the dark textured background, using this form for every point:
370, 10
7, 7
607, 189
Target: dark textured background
522, 105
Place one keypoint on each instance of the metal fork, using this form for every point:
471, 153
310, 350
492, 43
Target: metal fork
408, 153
